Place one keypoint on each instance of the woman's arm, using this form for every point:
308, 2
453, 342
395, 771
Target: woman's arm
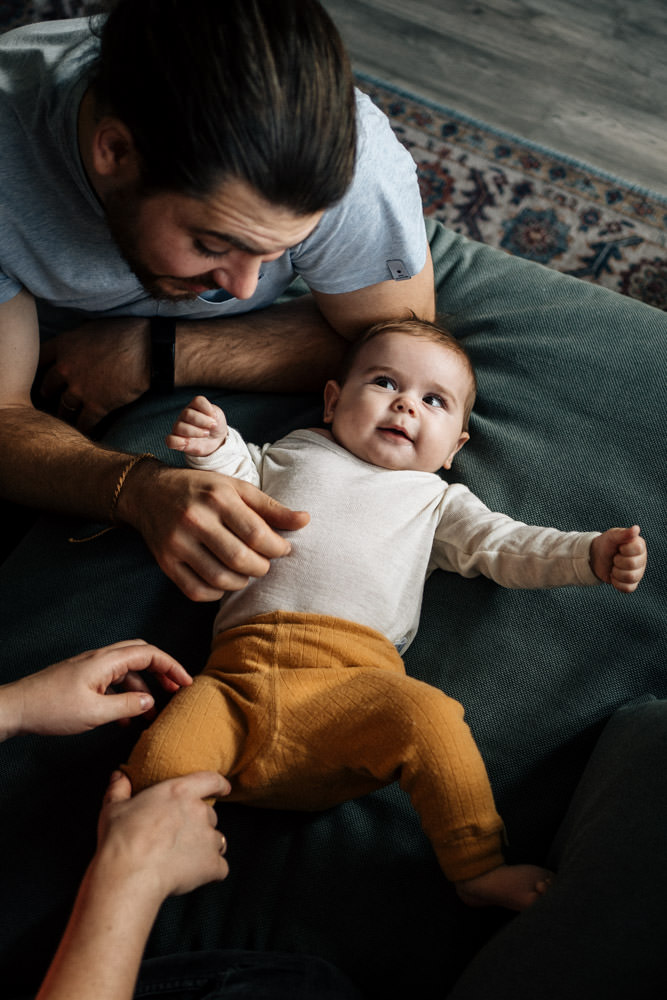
163, 842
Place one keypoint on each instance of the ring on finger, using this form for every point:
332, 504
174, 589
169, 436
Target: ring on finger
223, 844
70, 407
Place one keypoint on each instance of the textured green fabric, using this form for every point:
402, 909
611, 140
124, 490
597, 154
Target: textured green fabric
568, 430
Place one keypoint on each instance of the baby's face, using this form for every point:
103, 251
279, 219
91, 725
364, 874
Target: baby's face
402, 404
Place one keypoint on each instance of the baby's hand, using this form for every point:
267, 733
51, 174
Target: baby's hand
200, 429
618, 557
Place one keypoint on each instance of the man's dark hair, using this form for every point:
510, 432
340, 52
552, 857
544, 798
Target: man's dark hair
211, 90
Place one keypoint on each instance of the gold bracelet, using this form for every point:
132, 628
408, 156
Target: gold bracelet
121, 482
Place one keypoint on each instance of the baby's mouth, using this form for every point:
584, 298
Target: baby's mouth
397, 432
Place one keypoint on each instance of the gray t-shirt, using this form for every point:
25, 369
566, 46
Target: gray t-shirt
54, 240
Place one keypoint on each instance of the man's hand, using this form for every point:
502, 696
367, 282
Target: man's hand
209, 533
95, 369
618, 557
71, 696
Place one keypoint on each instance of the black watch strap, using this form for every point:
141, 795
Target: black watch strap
163, 353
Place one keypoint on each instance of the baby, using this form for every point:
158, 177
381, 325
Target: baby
305, 702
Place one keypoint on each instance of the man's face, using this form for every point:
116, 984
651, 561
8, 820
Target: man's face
402, 403
179, 246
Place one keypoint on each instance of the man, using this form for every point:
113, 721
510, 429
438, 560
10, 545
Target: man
161, 186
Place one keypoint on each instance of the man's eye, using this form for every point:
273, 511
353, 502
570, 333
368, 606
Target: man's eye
205, 251
384, 382
433, 400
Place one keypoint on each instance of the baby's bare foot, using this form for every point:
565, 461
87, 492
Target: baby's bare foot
514, 886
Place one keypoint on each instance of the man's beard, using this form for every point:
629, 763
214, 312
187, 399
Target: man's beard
122, 210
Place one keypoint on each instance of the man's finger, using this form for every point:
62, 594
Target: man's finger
196, 587
89, 417
52, 383
254, 518
279, 516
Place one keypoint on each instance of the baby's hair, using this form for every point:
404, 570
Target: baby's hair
426, 330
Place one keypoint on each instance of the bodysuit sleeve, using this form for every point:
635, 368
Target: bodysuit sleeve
233, 458
471, 539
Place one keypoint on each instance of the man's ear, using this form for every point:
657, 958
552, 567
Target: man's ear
113, 153
447, 464
331, 397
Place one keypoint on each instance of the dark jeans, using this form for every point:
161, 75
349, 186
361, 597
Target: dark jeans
210, 975
599, 933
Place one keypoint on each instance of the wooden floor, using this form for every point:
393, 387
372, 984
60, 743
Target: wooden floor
587, 78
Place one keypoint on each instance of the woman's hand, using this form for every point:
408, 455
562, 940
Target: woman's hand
71, 696
164, 840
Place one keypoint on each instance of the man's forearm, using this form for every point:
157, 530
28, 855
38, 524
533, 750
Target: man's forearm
47, 464
285, 348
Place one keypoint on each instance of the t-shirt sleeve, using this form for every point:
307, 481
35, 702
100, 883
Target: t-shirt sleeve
376, 232
9, 287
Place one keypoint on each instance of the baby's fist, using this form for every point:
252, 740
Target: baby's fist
618, 557
200, 429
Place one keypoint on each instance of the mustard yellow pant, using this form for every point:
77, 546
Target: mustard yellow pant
307, 711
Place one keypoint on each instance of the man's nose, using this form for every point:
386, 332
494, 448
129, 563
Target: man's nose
240, 274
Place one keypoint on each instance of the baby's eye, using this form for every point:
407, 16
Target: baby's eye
384, 381
431, 399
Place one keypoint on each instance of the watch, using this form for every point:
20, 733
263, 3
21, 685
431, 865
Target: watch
163, 353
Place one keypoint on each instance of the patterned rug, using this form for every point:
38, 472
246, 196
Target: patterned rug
530, 201
502, 190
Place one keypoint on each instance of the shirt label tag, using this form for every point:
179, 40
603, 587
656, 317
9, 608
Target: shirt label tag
398, 270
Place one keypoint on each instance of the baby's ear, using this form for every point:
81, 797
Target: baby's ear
447, 464
331, 397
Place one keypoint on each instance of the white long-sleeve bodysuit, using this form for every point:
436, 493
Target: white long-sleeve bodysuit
376, 534
305, 701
